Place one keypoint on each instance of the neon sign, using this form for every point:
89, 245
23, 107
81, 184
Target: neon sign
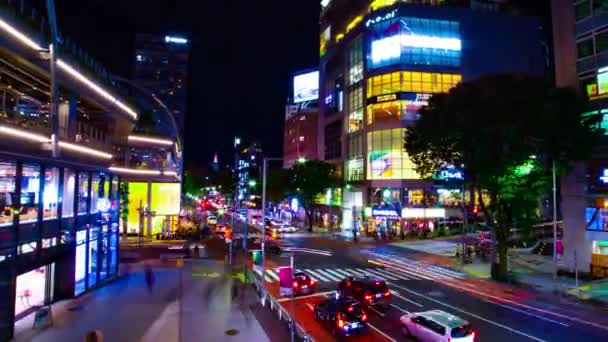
381, 18
385, 212
604, 176
390, 47
451, 173
176, 40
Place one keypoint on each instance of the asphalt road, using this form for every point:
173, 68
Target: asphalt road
496, 311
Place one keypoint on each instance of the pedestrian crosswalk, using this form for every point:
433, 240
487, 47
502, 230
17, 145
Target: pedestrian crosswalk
393, 270
420, 269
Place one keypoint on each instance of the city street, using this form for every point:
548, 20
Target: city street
498, 312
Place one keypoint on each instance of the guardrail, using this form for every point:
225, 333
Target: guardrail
267, 299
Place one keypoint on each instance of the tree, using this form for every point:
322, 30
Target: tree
310, 179
124, 206
493, 127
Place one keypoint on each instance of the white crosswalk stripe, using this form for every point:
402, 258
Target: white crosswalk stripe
273, 274
386, 276
394, 274
337, 276
315, 275
417, 269
329, 275
344, 274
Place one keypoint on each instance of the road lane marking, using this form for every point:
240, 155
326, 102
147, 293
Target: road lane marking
399, 308
316, 275
410, 273
376, 311
381, 333
305, 297
342, 273
471, 314
527, 313
407, 300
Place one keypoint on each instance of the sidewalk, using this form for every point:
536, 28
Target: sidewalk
176, 310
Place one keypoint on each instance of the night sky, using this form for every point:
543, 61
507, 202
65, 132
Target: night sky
243, 55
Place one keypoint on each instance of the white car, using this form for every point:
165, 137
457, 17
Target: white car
437, 326
211, 220
288, 229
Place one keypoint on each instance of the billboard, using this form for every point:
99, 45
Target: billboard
414, 41
306, 87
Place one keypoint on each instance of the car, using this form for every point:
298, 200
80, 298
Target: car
286, 228
303, 283
369, 290
344, 315
211, 220
437, 326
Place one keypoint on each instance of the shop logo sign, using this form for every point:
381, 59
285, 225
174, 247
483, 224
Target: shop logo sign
604, 176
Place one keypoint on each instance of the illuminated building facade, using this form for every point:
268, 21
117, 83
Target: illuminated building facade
161, 66
300, 135
248, 160
581, 61
381, 61
60, 185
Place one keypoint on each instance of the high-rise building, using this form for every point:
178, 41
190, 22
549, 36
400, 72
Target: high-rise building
300, 135
248, 160
380, 63
581, 61
161, 67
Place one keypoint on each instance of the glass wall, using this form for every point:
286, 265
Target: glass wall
355, 109
69, 185
411, 81
93, 255
50, 198
8, 173
81, 262
83, 192
30, 188
355, 62
387, 158
96, 191
355, 170
407, 40
138, 198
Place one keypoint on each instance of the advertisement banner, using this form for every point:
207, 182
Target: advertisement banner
257, 260
286, 281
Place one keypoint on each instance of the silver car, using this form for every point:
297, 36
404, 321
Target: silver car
437, 326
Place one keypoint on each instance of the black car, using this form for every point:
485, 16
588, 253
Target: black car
344, 315
368, 290
303, 283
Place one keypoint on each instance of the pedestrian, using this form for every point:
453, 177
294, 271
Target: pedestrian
149, 275
93, 336
196, 251
354, 235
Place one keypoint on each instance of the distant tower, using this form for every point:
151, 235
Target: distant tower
215, 165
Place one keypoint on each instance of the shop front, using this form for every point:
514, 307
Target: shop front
31, 289
384, 221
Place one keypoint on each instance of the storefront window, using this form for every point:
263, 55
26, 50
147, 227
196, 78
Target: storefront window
69, 185
81, 259
355, 108
96, 191
385, 197
30, 289
411, 81
387, 158
83, 192
355, 62
385, 112
51, 192
30, 187
355, 170
8, 172
93, 255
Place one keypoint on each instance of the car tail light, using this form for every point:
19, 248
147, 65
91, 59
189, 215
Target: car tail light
312, 281
340, 323
295, 284
473, 334
350, 309
377, 283
368, 297
387, 293
364, 317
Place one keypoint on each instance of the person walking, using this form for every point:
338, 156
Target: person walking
149, 275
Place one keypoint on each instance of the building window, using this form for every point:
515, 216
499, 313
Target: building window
600, 7
8, 173
355, 108
584, 48
582, 10
50, 198
409, 81
601, 42
386, 156
355, 62
355, 146
83, 192
301, 138
30, 188
385, 112
355, 170
96, 189
67, 201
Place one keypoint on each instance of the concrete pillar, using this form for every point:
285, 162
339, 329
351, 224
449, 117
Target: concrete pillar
67, 117
574, 203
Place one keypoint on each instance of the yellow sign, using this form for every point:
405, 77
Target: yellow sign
388, 97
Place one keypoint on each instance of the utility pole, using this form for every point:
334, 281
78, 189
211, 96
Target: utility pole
263, 239
554, 220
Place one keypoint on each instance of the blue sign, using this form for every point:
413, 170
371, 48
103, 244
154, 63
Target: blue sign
451, 173
385, 212
604, 176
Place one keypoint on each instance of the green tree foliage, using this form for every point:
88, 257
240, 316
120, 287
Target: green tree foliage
492, 127
124, 205
308, 180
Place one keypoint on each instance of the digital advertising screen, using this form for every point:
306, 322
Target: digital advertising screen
166, 198
602, 81
416, 41
306, 87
